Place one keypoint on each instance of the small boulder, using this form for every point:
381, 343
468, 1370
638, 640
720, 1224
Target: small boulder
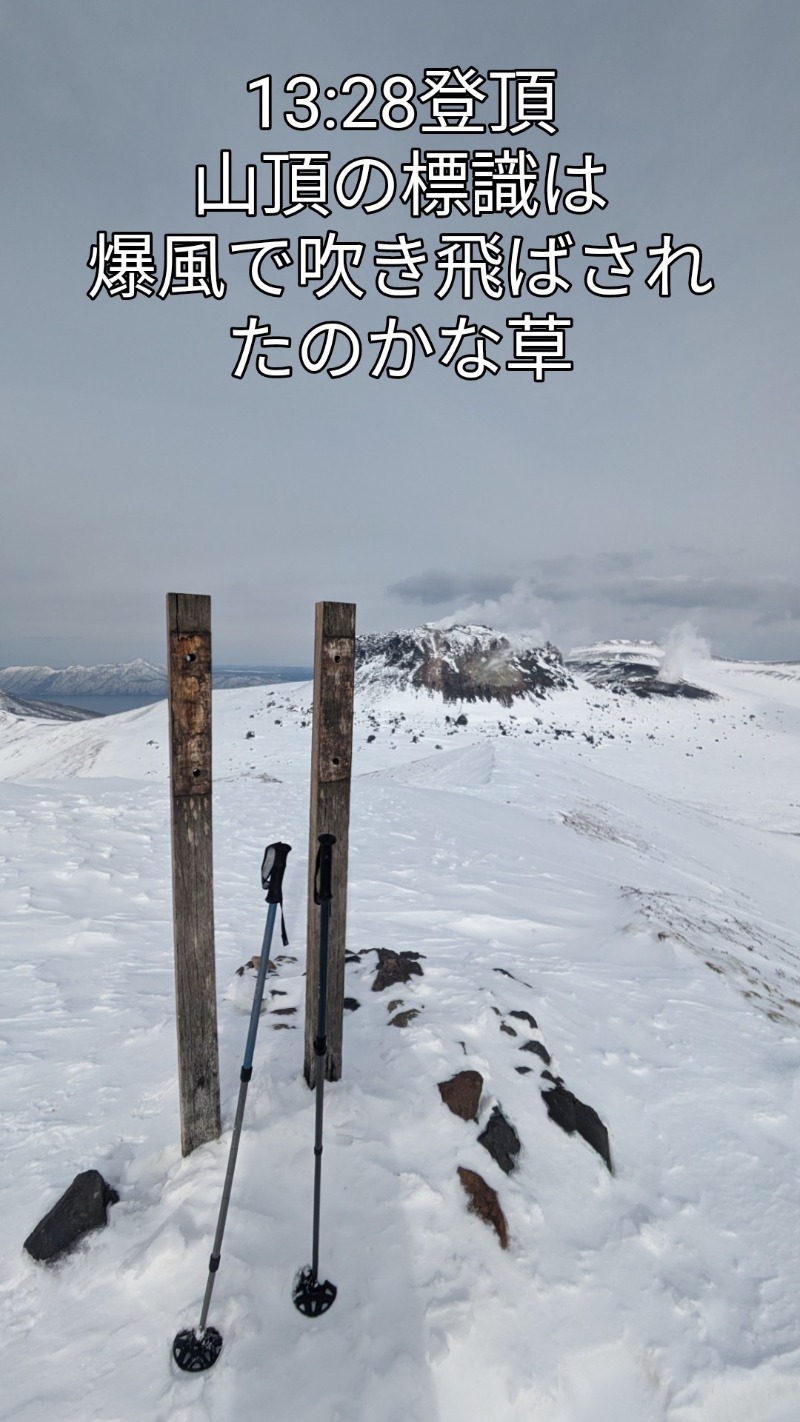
483, 1202
462, 1094
81, 1208
404, 1018
538, 1050
395, 968
255, 964
573, 1115
351, 1004
501, 1141
524, 1017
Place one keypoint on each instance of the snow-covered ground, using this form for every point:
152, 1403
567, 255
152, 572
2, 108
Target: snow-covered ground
623, 870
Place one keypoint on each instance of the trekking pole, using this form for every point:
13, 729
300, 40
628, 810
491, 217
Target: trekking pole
195, 1349
311, 1296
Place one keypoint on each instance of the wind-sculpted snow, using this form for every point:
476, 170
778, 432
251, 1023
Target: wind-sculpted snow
601, 888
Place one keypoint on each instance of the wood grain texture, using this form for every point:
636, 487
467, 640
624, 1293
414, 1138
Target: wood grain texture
189, 656
331, 765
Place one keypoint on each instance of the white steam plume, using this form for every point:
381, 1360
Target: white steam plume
516, 611
683, 646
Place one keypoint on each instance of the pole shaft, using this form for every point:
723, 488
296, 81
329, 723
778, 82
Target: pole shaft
319, 1084
244, 1082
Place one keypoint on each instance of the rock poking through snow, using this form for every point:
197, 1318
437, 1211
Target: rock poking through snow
462, 1094
394, 968
573, 1115
484, 1203
501, 1141
81, 1208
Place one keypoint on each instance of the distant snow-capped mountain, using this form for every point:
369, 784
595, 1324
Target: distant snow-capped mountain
462, 663
138, 678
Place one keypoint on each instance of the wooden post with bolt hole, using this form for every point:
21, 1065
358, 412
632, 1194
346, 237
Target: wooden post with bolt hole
331, 764
189, 662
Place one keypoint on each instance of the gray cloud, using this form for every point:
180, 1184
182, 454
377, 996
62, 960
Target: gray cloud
583, 599
773, 598
437, 587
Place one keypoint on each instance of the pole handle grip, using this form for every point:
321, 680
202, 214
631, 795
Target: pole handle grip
272, 870
323, 873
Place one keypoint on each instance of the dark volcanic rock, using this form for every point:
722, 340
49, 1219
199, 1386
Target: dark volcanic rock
394, 968
525, 1017
462, 1094
403, 1019
501, 1141
572, 1115
507, 974
484, 1203
81, 1208
627, 674
352, 1004
461, 664
538, 1049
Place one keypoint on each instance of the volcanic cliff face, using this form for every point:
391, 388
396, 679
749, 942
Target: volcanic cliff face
463, 663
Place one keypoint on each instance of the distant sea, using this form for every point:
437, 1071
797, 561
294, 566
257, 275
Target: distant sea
112, 705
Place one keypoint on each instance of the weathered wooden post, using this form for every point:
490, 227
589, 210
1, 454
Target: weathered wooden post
331, 762
189, 662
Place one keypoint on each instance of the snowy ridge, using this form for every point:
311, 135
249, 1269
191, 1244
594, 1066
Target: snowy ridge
137, 678
620, 871
41, 710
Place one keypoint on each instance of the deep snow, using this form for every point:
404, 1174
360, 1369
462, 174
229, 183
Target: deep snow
632, 864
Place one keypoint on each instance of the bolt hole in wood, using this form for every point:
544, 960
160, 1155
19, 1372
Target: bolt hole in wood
195, 773
190, 657
337, 658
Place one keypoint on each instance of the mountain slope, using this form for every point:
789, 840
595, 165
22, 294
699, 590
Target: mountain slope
632, 894
461, 664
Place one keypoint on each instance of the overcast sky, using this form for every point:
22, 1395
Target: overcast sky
653, 484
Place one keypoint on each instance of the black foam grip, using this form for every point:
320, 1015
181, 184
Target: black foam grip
323, 877
273, 866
